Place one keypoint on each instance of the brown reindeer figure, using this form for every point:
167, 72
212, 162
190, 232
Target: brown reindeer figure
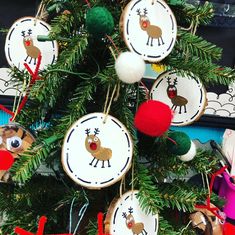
93, 146
32, 51
153, 31
136, 228
176, 100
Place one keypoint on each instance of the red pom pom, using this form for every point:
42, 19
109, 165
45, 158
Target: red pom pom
153, 118
228, 229
6, 160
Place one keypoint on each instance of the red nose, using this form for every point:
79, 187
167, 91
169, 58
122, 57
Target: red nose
129, 225
171, 94
6, 160
27, 43
93, 146
144, 24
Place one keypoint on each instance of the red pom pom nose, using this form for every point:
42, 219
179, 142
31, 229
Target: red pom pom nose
153, 118
6, 160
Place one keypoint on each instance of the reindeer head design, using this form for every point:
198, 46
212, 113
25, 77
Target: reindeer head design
27, 39
171, 89
92, 142
143, 20
130, 221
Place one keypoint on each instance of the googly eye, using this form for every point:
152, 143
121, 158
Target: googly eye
96, 139
0, 139
14, 142
89, 141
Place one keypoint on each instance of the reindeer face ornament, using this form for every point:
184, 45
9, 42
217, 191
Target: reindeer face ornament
184, 94
126, 217
97, 154
22, 46
149, 29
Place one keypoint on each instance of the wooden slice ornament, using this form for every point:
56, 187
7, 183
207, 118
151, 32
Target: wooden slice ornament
149, 29
184, 94
125, 216
14, 140
8, 86
97, 154
22, 46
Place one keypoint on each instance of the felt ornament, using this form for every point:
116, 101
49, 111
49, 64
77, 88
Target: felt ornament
205, 222
129, 67
149, 29
175, 90
180, 144
22, 46
14, 140
125, 216
91, 157
99, 22
153, 118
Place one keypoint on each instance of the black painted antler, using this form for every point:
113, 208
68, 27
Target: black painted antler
145, 11
175, 81
87, 131
23, 33
138, 12
124, 215
130, 210
97, 131
29, 31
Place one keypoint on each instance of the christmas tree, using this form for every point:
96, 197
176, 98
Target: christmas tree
93, 83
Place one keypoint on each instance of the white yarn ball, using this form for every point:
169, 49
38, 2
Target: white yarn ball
190, 154
129, 67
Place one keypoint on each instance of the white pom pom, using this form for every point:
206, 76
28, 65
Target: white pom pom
190, 154
129, 67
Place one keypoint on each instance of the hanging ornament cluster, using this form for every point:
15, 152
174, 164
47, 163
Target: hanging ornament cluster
91, 157
22, 46
99, 22
125, 216
176, 91
149, 29
153, 118
179, 143
14, 140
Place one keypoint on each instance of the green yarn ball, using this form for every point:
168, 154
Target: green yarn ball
99, 22
183, 143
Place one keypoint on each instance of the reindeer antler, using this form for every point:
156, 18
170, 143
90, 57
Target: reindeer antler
96, 132
138, 12
23, 33
87, 131
175, 81
145, 11
130, 210
29, 31
124, 215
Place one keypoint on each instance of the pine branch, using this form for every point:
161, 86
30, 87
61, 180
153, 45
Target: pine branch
192, 45
30, 160
165, 228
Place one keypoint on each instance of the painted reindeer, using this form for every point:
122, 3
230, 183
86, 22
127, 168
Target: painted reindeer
176, 100
136, 228
153, 31
93, 146
32, 51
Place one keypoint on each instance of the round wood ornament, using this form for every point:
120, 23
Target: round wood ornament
22, 46
149, 29
184, 94
14, 140
125, 216
96, 154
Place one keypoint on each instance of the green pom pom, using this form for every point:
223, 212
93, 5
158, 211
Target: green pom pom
99, 22
183, 143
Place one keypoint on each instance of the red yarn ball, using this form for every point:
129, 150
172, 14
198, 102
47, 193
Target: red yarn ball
153, 118
6, 160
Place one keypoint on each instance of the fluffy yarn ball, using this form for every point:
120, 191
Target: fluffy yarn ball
129, 67
6, 160
153, 118
99, 22
190, 154
183, 143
